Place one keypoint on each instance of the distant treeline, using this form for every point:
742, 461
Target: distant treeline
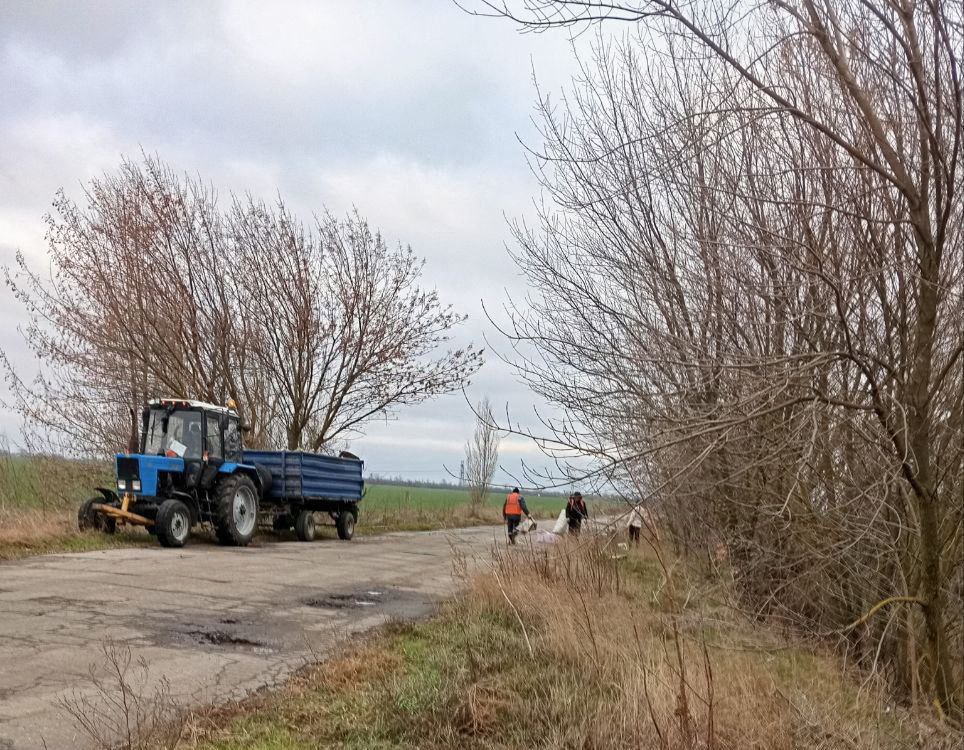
445, 485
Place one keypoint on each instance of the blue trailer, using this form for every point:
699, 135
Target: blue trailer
305, 484
192, 469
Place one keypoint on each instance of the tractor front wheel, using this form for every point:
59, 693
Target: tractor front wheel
236, 499
89, 519
173, 523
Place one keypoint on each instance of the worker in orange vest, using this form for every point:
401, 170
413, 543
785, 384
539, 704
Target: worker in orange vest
515, 506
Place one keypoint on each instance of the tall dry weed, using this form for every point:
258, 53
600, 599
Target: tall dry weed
640, 659
125, 706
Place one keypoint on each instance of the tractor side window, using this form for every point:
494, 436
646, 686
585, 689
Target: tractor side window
215, 444
232, 441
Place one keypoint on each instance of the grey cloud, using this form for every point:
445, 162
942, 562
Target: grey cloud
407, 111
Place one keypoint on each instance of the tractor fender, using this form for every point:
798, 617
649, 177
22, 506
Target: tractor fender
258, 473
264, 479
192, 505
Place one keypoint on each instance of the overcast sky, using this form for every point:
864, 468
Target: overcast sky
408, 111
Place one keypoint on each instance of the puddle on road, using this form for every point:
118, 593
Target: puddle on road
283, 630
217, 636
371, 598
220, 638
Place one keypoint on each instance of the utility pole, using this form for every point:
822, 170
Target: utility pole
462, 473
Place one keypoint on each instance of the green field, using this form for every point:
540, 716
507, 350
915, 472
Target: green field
48, 483
392, 497
389, 507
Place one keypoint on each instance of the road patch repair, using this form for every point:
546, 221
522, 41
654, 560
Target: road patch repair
216, 623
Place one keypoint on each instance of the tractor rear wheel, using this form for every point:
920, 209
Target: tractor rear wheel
172, 523
305, 526
345, 524
89, 519
236, 501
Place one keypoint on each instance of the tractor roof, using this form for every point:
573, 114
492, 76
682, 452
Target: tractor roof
189, 404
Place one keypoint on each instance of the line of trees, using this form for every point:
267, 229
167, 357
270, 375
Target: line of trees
748, 296
155, 287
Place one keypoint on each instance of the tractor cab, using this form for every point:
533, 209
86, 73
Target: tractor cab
183, 447
191, 430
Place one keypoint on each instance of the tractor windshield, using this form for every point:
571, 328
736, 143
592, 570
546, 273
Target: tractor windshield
173, 433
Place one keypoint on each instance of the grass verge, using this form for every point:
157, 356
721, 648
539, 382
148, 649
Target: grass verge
55, 536
39, 497
566, 647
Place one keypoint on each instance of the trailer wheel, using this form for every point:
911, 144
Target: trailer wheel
305, 526
236, 500
173, 523
345, 523
89, 519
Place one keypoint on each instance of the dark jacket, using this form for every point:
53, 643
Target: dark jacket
576, 510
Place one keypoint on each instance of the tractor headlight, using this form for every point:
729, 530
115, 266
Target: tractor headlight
136, 485
122, 484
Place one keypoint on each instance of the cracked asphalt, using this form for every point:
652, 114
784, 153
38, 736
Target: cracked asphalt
216, 622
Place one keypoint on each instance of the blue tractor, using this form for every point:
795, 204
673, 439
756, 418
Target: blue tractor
193, 469
190, 470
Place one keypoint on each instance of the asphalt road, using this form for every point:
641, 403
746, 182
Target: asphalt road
216, 622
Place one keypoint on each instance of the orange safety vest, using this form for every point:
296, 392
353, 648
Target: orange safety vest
512, 505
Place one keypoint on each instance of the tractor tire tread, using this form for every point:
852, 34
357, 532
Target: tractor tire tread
163, 519
89, 520
305, 526
346, 529
224, 528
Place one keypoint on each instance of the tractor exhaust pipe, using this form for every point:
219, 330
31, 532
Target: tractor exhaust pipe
133, 441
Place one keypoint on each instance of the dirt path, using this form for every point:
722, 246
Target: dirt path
217, 622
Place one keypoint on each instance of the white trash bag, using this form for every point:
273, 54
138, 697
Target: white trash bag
561, 523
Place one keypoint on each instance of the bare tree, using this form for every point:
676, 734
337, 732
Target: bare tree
134, 305
352, 335
155, 290
482, 455
748, 284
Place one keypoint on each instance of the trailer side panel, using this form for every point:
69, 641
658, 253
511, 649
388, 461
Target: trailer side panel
297, 476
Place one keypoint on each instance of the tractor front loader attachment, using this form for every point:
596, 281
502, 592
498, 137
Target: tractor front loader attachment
122, 515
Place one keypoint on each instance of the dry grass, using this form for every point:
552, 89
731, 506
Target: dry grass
39, 497
32, 532
669, 670
564, 646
